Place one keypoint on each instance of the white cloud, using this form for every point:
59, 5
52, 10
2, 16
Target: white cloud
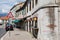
4, 11
7, 1
5, 8
16, 3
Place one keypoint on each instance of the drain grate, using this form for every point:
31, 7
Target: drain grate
17, 34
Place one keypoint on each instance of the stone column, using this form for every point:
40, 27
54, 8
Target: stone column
31, 4
43, 22
56, 30
34, 3
31, 26
28, 7
28, 26
34, 24
25, 26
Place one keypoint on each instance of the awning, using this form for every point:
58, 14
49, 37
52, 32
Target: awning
20, 20
15, 21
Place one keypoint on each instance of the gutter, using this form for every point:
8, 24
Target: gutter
47, 6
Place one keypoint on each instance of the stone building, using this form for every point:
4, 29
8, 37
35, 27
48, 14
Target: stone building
41, 18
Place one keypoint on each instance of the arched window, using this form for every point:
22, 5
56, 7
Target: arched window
36, 1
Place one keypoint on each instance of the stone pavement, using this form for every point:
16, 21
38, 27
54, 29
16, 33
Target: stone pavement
18, 34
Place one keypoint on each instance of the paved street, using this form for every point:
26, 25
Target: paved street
2, 31
18, 34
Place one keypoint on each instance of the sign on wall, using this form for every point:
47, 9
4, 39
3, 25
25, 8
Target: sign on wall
10, 15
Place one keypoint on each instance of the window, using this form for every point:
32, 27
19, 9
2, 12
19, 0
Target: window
27, 8
30, 6
16, 15
36, 1
22, 12
32, 3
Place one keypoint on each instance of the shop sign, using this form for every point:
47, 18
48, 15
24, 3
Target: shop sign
10, 15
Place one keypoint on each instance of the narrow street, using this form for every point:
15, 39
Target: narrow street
30, 19
18, 34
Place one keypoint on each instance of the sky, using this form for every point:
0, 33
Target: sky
6, 5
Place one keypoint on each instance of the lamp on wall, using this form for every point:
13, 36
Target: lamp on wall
35, 18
